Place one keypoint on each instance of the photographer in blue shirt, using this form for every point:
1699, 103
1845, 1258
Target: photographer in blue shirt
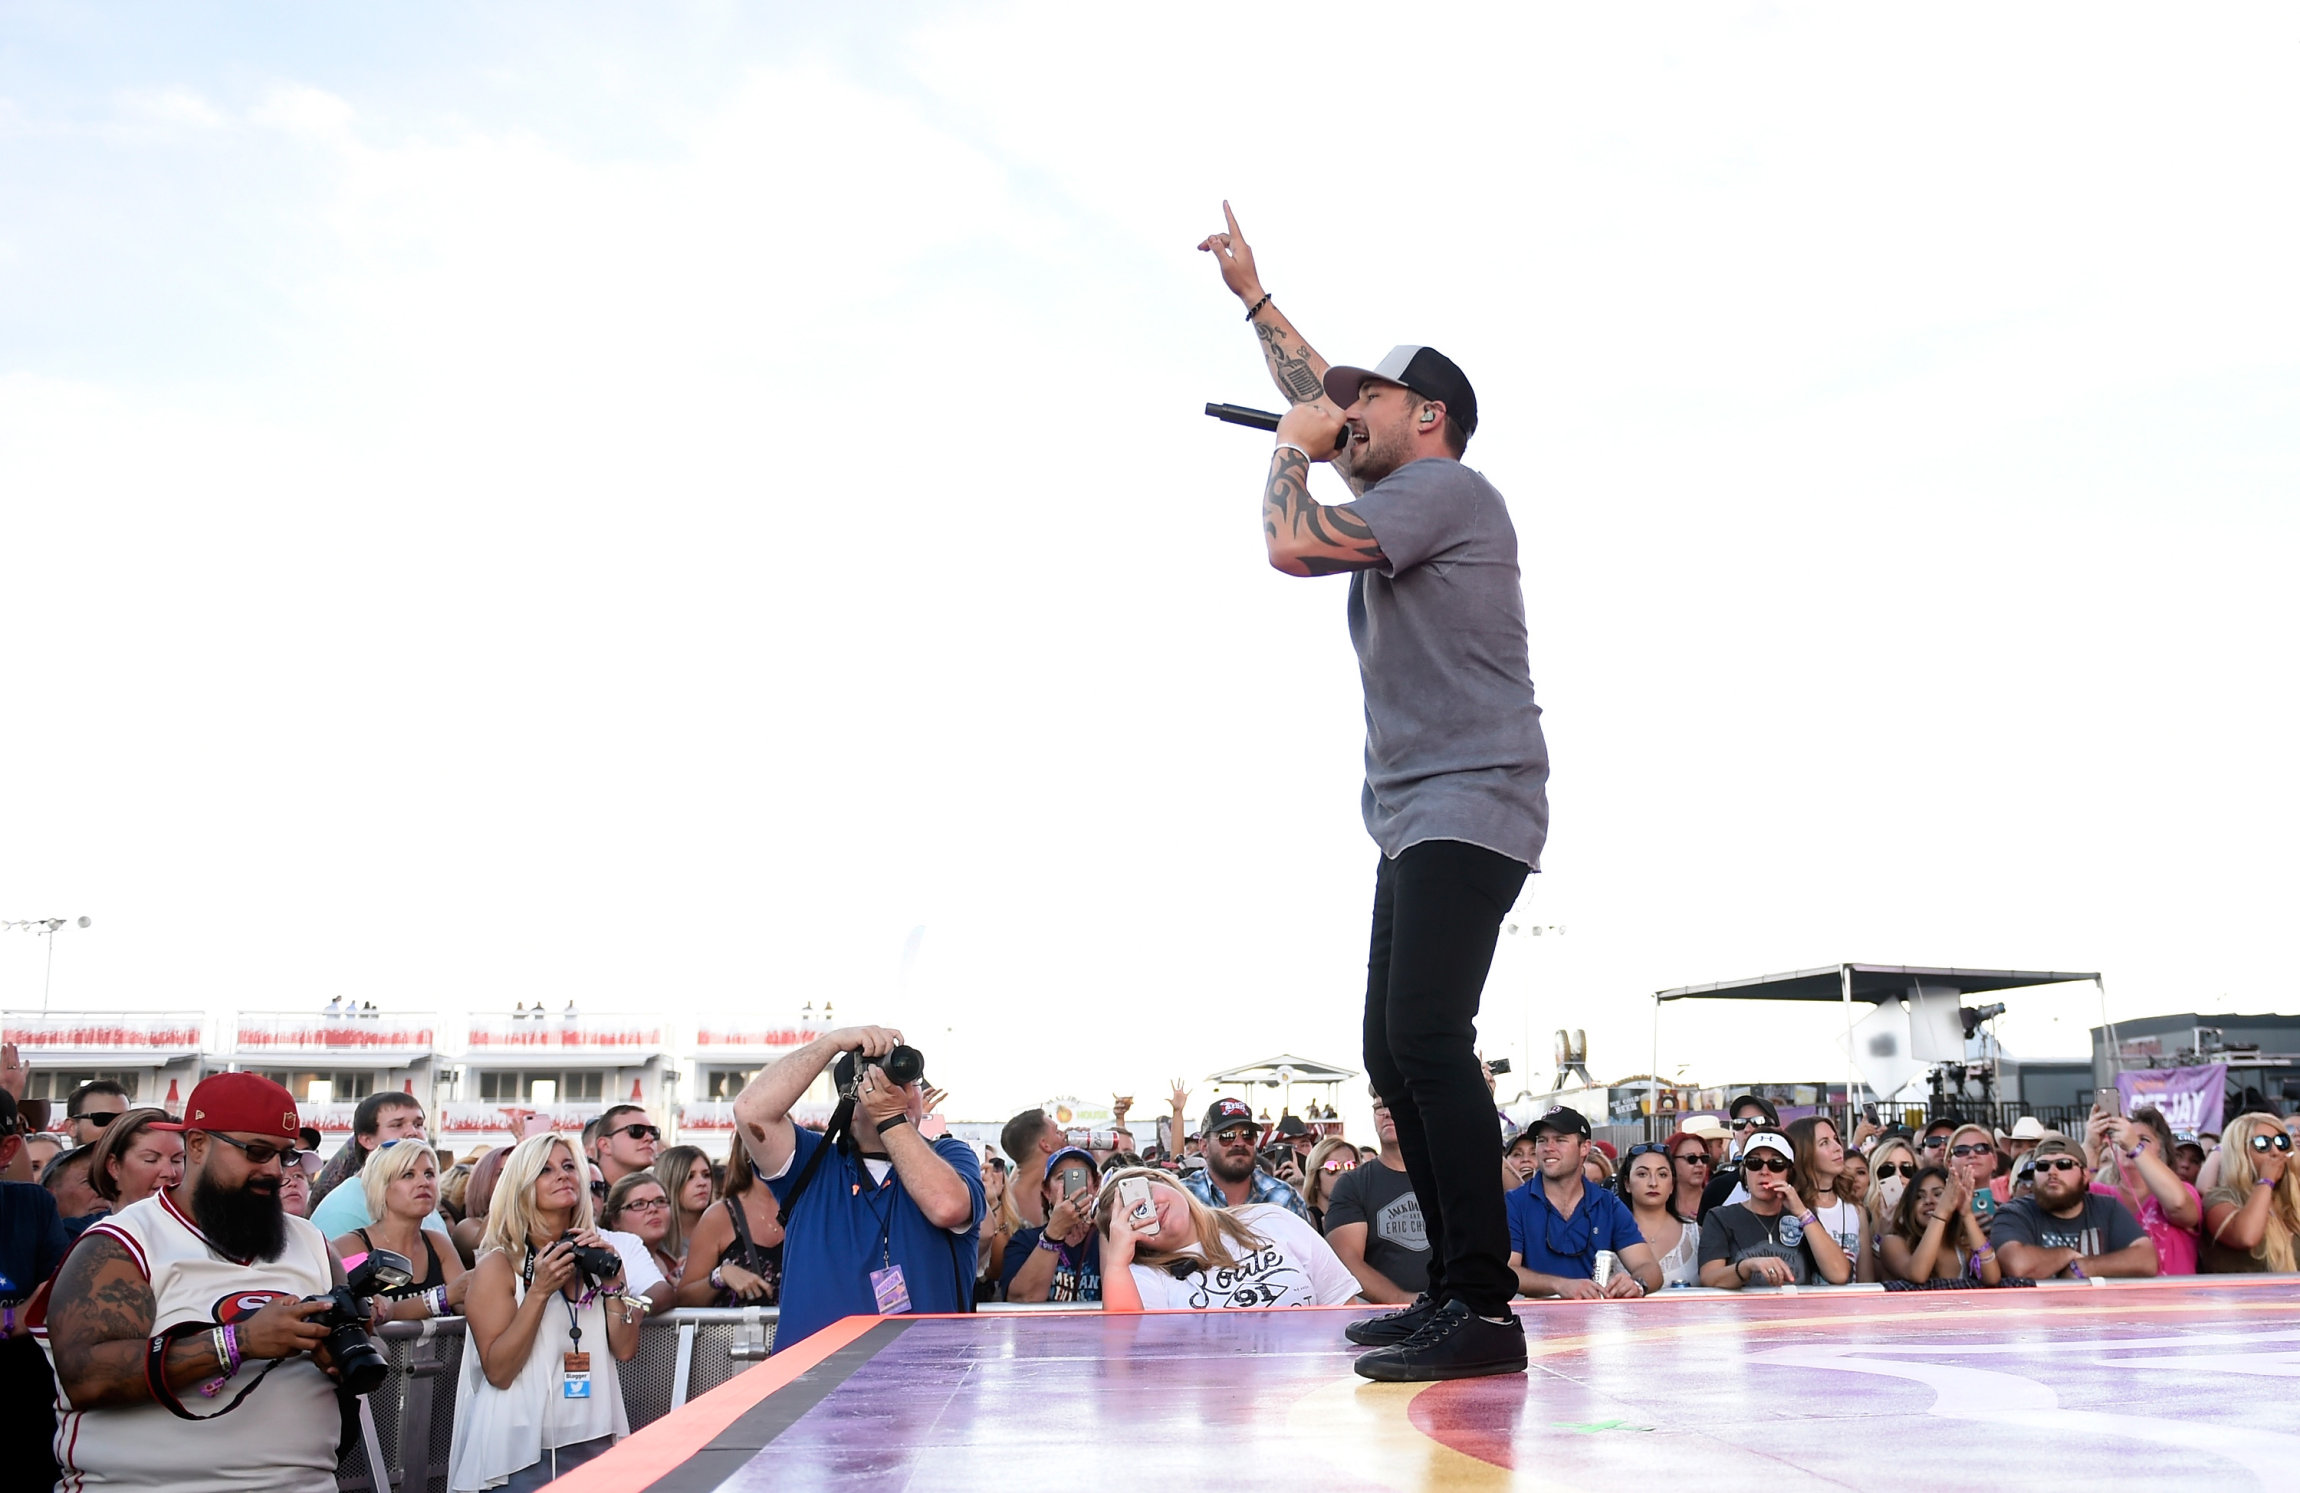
1558, 1222
877, 1217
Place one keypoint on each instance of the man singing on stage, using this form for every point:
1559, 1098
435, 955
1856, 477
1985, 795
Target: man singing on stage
1455, 793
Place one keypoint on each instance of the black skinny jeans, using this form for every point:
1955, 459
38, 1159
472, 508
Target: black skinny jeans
1438, 908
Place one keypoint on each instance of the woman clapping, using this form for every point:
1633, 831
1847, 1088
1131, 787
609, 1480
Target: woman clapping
1935, 1234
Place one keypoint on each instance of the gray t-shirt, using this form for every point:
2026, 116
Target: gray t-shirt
1453, 739
1397, 1240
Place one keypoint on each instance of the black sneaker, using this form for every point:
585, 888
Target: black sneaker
1392, 1327
1456, 1343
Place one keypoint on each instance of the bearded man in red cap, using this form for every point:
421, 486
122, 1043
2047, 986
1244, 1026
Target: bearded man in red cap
186, 1356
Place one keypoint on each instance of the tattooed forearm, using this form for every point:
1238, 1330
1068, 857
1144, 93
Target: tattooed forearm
1290, 365
1306, 537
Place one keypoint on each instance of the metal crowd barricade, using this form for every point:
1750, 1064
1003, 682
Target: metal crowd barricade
407, 1425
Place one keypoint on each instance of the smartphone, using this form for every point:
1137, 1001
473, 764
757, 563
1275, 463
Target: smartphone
1075, 1177
1498, 1065
1869, 1114
2112, 1101
1134, 1201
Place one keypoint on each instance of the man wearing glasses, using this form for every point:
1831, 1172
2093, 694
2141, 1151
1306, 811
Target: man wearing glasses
92, 1107
185, 1348
1774, 1238
2064, 1228
1558, 1223
626, 1143
1749, 1114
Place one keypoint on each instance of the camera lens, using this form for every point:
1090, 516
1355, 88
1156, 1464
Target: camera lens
904, 1065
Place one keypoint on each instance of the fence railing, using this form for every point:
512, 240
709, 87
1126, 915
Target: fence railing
581, 1032
408, 1425
296, 1031
104, 1031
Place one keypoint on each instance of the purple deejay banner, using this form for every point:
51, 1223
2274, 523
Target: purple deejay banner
2188, 1098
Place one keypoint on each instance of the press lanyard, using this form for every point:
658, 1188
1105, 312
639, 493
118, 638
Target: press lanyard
574, 1327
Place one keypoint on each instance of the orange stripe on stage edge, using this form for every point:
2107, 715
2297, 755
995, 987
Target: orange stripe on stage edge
639, 1459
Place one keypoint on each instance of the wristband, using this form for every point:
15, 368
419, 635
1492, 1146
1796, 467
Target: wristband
1809, 1219
1050, 1244
718, 1279
888, 1124
1290, 446
1256, 309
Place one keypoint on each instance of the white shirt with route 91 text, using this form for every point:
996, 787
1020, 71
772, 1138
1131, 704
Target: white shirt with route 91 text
1294, 1268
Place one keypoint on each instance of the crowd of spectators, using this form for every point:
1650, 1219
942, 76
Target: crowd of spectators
553, 1248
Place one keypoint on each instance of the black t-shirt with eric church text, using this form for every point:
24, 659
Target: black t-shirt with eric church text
1397, 1241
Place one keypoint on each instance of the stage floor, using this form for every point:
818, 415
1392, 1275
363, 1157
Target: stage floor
2060, 1387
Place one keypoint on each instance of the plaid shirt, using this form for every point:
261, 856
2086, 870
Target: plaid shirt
1264, 1188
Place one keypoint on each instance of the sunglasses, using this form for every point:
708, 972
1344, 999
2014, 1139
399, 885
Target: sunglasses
1752, 1122
1339, 1164
2059, 1164
1236, 1135
1972, 1150
1644, 1148
1934, 1142
1764, 1163
2263, 1143
1907, 1169
638, 1132
1692, 1158
98, 1117
256, 1151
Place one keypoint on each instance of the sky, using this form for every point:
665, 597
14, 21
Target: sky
656, 507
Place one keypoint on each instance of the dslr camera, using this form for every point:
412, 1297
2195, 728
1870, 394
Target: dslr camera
596, 1266
902, 1065
360, 1363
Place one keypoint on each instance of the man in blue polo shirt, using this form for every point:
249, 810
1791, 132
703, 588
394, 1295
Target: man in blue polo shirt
1558, 1223
888, 1221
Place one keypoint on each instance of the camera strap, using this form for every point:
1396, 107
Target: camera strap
156, 1371
833, 1133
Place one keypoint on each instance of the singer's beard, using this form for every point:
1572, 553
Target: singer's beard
1376, 459
247, 1222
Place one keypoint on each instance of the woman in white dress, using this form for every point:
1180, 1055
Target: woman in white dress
1201, 1259
539, 1393
1648, 1183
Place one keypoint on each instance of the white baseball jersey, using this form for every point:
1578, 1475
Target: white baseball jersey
282, 1437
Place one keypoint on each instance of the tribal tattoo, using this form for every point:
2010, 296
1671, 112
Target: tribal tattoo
1292, 369
1323, 541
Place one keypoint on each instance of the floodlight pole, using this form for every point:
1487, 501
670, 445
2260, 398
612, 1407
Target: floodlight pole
1852, 1060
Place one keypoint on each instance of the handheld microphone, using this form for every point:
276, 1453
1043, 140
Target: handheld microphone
1239, 414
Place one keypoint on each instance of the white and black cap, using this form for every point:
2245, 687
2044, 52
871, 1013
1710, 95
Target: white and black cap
1425, 370
1766, 1140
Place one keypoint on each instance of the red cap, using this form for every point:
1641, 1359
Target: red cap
243, 1103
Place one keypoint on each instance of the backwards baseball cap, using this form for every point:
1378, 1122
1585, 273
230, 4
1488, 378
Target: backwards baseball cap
1222, 1114
246, 1103
1425, 370
1766, 1140
1562, 1120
